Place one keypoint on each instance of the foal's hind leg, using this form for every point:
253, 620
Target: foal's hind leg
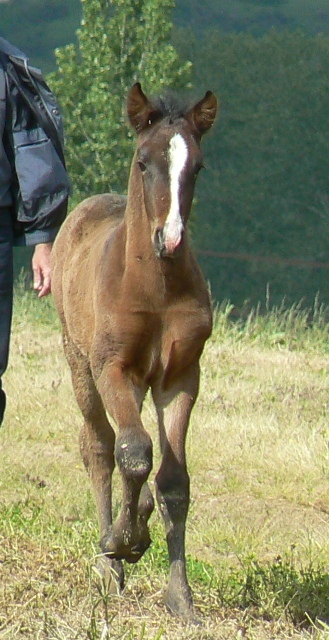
173, 485
97, 440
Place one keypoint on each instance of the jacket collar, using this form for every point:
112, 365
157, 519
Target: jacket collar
11, 51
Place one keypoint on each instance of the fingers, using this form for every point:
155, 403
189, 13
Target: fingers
41, 269
42, 284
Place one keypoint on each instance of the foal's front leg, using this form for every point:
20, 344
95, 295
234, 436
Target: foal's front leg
173, 485
129, 537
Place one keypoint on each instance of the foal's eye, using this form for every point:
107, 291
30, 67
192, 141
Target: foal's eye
142, 166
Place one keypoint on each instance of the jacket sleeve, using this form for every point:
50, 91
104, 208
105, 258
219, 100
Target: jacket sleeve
5, 166
43, 184
36, 237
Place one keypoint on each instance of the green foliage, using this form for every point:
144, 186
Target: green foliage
119, 42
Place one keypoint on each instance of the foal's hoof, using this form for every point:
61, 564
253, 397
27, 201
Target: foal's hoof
181, 605
138, 551
111, 573
115, 547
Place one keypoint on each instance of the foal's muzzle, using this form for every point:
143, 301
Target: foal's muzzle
159, 243
165, 248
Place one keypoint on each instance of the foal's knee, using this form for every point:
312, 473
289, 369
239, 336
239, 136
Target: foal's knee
134, 454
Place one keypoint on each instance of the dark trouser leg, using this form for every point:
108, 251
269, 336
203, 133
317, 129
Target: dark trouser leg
6, 295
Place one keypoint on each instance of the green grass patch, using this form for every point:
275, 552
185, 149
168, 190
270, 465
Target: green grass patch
293, 328
271, 591
258, 458
278, 589
29, 309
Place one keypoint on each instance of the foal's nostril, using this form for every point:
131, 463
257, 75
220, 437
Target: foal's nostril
159, 242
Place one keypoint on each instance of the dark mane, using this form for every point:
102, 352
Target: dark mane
171, 105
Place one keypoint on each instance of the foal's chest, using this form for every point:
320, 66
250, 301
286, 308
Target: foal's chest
185, 332
161, 341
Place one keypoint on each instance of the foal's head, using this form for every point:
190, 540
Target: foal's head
167, 161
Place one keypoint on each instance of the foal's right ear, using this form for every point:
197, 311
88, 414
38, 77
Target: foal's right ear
141, 112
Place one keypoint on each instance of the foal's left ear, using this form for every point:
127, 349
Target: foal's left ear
141, 112
201, 117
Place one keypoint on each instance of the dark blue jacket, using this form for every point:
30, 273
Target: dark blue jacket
33, 176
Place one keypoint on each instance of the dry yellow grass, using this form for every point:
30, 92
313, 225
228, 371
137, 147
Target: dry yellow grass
258, 457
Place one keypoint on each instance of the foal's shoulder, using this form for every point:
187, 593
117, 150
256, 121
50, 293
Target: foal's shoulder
101, 206
92, 215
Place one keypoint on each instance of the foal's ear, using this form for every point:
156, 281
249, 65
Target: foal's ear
201, 117
141, 112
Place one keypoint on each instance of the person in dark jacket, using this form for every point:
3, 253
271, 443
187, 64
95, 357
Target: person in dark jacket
34, 185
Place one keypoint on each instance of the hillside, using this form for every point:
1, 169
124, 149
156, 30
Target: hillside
38, 27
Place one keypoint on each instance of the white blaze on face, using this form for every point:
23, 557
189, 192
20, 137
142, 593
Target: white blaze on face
177, 157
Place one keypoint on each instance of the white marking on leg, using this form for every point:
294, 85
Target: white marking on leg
177, 157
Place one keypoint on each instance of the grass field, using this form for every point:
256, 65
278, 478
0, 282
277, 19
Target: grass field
258, 528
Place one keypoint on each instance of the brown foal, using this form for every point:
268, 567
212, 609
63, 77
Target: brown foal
136, 313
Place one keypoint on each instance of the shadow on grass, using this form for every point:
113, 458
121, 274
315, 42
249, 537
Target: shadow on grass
270, 591
279, 589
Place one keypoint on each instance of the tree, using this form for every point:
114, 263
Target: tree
119, 42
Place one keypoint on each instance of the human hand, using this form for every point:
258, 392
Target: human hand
41, 269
